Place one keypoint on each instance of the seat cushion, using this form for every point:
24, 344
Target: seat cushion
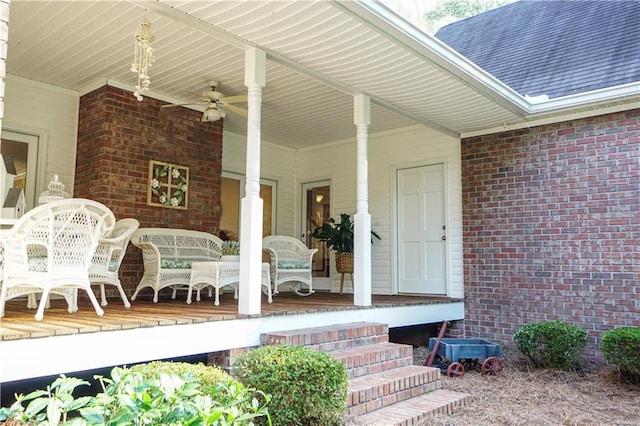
38, 264
113, 265
294, 265
175, 264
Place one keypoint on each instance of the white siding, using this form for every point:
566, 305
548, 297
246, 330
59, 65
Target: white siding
51, 114
413, 146
276, 163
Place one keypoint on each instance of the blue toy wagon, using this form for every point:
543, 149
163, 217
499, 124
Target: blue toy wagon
453, 353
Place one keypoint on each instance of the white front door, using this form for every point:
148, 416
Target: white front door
421, 230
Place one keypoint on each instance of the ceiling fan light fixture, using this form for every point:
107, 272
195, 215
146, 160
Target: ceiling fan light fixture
211, 114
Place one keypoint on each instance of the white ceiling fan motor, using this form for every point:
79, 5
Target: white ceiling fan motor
213, 94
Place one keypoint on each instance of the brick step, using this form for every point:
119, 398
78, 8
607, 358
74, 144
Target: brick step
411, 411
385, 388
368, 359
374, 391
330, 338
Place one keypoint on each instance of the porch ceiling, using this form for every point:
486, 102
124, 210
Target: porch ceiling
320, 53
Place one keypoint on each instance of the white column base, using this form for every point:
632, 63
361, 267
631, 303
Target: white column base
362, 259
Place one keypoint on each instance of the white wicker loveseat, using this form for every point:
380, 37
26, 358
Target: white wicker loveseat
168, 254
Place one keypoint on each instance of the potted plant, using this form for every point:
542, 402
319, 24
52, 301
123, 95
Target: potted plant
338, 236
230, 251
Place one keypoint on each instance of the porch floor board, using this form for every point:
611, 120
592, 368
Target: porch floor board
18, 322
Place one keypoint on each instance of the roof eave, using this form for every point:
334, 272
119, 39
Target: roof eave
601, 97
383, 19
572, 107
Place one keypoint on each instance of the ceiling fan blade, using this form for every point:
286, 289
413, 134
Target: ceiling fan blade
234, 99
199, 95
236, 110
177, 105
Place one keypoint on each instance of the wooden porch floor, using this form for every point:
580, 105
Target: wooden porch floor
18, 322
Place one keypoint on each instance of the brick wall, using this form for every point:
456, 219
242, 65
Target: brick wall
117, 136
225, 359
551, 219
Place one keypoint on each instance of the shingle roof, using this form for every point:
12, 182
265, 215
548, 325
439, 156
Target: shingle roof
553, 47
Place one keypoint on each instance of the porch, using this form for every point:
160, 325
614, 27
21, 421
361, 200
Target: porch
64, 342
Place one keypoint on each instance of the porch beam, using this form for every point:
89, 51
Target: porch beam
250, 288
362, 218
209, 29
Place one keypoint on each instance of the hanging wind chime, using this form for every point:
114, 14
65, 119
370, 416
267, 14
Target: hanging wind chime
143, 57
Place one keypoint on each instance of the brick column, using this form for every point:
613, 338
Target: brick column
117, 136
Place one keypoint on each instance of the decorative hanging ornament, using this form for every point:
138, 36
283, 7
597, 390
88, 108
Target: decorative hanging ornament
143, 57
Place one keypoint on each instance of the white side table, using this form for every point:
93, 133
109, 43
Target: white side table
222, 274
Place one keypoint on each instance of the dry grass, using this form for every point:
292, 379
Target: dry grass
521, 395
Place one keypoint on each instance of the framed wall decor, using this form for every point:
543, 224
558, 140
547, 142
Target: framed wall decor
168, 185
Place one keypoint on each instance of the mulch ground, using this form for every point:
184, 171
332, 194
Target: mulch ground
523, 395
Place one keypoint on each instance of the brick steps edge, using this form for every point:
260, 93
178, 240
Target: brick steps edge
377, 390
330, 338
411, 411
368, 359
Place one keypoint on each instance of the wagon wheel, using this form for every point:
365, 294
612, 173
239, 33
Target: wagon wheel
455, 369
491, 366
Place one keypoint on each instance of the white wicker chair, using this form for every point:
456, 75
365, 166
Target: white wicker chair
49, 251
32, 302
291, 262
108, 258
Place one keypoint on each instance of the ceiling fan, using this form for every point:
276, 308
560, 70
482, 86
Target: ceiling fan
216, 103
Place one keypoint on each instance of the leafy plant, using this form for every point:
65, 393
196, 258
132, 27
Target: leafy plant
230, 248
553, 344
207, 375
47, 407
454, 10
621, 346
146, 395
338, 235
307, 387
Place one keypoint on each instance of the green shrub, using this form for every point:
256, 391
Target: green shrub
621, 346
207, 375
150, 396
307, 387
553, 344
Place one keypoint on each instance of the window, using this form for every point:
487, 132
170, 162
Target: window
231, 194
22, 148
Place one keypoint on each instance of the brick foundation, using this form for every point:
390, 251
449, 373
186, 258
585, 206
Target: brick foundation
551, 227
117, 136
225, 359
455, 329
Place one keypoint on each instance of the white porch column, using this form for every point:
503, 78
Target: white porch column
250, 290
362, 218
4, 36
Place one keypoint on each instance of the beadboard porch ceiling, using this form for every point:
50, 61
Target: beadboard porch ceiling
319, 54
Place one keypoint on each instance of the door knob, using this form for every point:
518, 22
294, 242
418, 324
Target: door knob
444, 238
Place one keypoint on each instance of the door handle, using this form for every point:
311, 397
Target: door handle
444, 238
